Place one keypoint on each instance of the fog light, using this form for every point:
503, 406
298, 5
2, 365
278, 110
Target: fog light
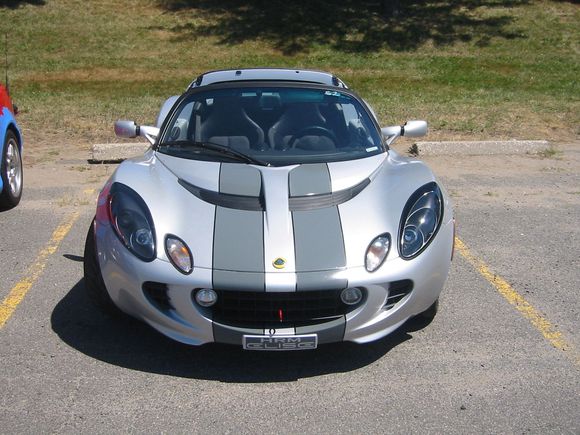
351, 295
206, 297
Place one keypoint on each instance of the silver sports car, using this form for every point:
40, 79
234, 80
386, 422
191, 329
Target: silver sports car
271, 213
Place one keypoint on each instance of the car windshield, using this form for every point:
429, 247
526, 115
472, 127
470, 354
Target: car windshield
270, 125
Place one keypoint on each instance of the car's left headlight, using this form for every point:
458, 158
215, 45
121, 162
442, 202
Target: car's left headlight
420, 220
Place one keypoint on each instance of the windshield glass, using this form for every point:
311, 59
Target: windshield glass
273, 125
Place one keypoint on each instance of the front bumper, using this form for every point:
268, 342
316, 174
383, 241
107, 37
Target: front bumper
183, 320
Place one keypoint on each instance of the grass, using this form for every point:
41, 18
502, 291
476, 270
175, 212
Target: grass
550, 153
488, 69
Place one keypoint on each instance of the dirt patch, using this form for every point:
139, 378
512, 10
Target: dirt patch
51, 168
544, 180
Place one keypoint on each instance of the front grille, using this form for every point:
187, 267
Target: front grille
397, 291
264, 309
156, 293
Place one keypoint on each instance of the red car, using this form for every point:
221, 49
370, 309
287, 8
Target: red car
11, 176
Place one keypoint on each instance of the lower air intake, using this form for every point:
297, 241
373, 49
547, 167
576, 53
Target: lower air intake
397, 291
156, 293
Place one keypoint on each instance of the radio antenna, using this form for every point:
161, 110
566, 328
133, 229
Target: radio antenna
6, 61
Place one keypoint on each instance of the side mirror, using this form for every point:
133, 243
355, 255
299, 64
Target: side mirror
393, 130
410, 129
414, 129
128, 129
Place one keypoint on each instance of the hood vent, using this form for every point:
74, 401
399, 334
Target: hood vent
227, 200
256, 203
323, 200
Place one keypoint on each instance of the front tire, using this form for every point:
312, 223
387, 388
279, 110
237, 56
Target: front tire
94, 284
11, 172
422, 320
429, 314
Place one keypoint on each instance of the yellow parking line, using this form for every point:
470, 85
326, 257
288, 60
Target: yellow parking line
19, 291
546, 328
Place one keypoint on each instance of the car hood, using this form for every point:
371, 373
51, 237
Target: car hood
309, 219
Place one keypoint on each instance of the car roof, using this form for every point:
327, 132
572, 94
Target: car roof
267, 74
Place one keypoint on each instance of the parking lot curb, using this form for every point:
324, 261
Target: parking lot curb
117, 152
475, 148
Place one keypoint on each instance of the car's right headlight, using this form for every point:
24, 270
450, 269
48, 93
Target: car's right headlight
420, 220
132, 221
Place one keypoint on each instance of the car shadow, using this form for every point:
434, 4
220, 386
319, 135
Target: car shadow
76, 258
129, 343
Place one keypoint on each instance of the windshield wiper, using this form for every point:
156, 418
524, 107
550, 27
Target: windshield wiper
218, 148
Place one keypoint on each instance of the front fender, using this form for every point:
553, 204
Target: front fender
7, 121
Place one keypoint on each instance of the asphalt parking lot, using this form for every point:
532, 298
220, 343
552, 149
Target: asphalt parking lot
502, 355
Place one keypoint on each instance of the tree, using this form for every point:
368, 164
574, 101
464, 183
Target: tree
391, 8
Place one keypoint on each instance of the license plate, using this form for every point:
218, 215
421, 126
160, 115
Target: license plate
290, 342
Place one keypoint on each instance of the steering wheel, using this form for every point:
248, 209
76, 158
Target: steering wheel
312, 130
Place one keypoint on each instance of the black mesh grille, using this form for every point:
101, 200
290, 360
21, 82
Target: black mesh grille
262, 309
397, 291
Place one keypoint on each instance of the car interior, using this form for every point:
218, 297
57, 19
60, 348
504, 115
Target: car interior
264, 122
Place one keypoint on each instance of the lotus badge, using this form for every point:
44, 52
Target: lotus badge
279, 263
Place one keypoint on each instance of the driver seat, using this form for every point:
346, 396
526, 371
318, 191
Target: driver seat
228, 124
296, 118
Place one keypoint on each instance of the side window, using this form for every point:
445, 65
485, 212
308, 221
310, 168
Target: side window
351, 115
359, 132
179, 129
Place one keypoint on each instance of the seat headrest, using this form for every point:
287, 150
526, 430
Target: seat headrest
270, 101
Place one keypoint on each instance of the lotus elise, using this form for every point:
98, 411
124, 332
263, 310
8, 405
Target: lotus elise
271, 213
